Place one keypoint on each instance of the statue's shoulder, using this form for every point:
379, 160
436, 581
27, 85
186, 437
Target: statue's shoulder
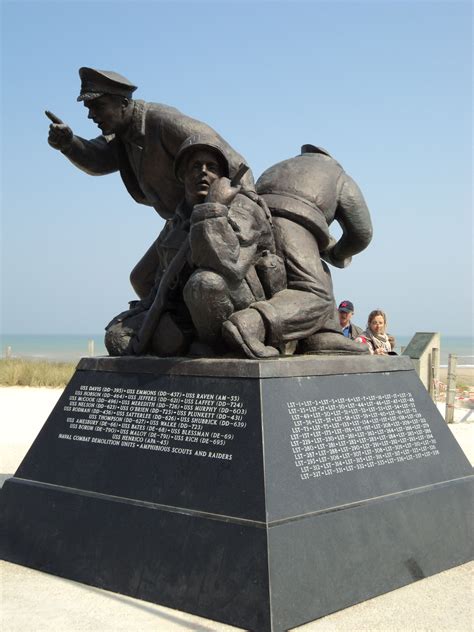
160, 112
302, 172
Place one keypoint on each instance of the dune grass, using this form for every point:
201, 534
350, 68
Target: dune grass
21, 372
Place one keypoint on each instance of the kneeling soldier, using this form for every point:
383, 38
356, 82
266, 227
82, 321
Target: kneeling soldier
213, 261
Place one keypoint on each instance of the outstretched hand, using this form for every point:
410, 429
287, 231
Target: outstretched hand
221, 191
60, 135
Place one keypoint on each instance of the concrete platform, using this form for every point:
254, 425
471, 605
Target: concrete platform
31, 600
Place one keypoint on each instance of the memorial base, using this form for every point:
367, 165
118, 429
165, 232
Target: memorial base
260, 494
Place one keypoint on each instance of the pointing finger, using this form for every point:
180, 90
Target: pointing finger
52, 117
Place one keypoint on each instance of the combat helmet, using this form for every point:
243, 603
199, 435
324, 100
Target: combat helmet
194, 143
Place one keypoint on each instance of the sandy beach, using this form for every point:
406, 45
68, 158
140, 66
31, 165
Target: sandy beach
36, 601
464, 375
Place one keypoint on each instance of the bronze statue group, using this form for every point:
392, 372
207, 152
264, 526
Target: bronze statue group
240, 267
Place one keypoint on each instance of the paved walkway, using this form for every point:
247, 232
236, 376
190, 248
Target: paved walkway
36, 602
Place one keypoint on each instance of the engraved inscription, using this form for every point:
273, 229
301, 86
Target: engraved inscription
331, 436
187, 423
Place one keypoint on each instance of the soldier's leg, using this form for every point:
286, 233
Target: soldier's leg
211, 301
142, 277
302, 311
308, 302
306, 311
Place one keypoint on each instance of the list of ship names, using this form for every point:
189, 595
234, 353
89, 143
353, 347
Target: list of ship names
332, 436
201, 425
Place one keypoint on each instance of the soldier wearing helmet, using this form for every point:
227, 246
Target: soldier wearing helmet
219, 233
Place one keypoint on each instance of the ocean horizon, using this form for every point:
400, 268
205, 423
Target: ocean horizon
72, 347
51, 347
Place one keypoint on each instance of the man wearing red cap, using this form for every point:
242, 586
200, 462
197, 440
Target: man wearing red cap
346, 311
141, 141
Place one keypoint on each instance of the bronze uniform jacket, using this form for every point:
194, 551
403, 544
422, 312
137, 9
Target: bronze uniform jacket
145, 155
313, 190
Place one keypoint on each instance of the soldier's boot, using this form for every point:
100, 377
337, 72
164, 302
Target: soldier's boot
245, 330
331, 343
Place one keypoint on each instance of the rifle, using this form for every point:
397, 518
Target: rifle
141, 340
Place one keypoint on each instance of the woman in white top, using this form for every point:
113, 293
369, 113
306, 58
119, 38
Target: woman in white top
375, 335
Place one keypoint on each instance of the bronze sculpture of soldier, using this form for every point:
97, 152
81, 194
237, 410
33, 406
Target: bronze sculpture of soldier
140, 140
210, 263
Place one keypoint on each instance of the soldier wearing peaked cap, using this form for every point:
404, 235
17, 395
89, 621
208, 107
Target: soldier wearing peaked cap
141, 141
96, 83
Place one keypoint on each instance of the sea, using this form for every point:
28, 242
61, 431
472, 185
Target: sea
72, 347
52, 347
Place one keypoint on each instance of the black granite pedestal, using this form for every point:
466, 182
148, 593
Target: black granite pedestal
260, 494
